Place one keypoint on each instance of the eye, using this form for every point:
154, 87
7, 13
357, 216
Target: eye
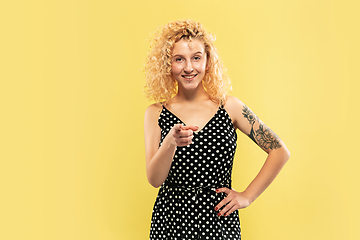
197, 58
178, 59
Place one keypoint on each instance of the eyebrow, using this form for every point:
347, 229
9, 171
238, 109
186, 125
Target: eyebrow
179, 55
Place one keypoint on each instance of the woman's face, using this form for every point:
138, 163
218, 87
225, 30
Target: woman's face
188, 63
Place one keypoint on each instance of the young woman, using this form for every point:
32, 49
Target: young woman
190, 138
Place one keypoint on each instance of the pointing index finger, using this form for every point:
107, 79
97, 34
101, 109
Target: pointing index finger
178, 127
193, 128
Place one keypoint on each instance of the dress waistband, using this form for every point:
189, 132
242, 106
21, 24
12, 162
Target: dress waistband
195, 189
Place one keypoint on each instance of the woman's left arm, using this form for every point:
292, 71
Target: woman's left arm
278, 154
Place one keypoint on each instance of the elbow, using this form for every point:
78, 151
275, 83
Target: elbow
283, 154
286, 154
153, 178
154, 183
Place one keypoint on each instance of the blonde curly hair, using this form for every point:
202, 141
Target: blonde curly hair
160, 84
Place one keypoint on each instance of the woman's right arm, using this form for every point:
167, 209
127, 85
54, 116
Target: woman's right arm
159, 159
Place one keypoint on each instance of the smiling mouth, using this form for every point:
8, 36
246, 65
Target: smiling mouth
189, 76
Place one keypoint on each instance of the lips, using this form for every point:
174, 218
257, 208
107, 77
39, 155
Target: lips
189, 77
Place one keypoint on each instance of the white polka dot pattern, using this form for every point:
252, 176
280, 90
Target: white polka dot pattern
184, 207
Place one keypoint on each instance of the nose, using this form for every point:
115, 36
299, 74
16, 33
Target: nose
188, 67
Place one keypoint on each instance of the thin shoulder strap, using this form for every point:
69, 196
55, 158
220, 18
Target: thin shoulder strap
162, 106
221, 104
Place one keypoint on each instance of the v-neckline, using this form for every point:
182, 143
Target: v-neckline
200, 129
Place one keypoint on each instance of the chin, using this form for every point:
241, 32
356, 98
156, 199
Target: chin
191, 86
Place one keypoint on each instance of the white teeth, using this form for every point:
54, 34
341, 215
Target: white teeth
189, 76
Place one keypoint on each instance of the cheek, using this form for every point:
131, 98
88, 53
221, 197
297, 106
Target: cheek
202, 66
175, 69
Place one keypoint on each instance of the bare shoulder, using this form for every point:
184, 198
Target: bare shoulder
152, 130
237, 111
233, 104
151, 127
153, 111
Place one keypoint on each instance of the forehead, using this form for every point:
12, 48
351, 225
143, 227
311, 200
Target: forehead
184, 46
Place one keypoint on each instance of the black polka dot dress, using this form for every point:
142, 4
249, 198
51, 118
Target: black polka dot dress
184, 207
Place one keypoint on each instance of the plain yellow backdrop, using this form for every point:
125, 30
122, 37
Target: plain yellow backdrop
72, 147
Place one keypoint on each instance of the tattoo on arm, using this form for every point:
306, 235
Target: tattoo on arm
249, 115
264, 136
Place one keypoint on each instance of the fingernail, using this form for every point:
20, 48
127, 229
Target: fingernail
219, 214
216, 209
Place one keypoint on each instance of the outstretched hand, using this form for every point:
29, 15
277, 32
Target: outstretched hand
182, 135
234, 200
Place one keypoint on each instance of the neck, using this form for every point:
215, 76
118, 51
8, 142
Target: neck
197, 94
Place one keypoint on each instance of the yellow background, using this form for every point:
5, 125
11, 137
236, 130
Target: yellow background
72, 147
